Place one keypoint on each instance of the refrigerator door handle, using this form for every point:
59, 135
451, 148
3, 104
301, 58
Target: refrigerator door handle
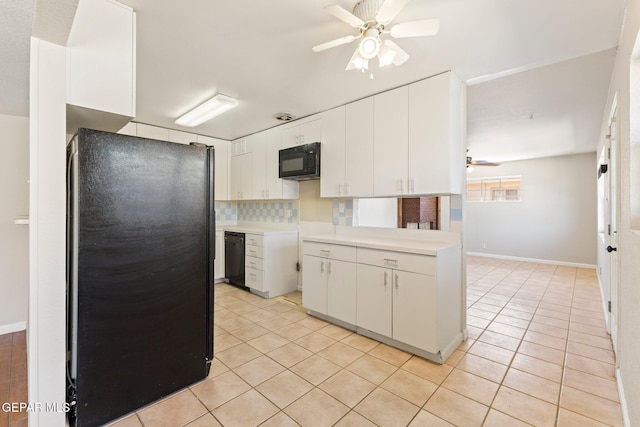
72, 261
211, 251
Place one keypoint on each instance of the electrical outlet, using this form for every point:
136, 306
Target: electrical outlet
287, 213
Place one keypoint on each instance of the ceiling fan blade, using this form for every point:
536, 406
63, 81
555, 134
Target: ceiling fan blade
389, 10
483, 163
333, 43
426, 27
401, 56
344, 15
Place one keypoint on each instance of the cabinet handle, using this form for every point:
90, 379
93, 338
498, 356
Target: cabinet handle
402, 186
340, 189
329, 267
324, 251
321, 266
397, 282
302, 138
347, 190
389, 261
385, 280
262, 194
267, 191
253, 253
412, 185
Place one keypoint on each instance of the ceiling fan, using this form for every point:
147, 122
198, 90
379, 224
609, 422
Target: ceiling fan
371, 18
471, 163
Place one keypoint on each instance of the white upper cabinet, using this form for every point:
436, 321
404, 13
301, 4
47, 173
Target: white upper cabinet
436, 129
241, 177
221, 165
359, 149
277, 188
257, 146
332, 152
390, 139
101, 65
304, 133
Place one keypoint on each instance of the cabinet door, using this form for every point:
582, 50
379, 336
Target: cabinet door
414, 310
332, 163
359, 148
101, 58
435, 136
222, 165
391, 144
310, 132
314, 283
373, 296
241, 177
257, 146
277, 188
290, 136
341, 290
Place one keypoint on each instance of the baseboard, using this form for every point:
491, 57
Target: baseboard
14, 327
623, 400
539, 261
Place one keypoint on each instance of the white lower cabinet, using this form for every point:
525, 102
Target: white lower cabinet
329, 281
397, 304
410, 300
270, 263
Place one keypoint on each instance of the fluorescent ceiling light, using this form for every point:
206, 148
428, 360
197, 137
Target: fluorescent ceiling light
211, 108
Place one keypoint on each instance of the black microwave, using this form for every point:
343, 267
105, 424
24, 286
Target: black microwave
300, 163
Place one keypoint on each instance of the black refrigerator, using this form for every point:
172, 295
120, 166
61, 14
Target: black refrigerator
140, 249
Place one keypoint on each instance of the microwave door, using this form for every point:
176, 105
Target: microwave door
292, 166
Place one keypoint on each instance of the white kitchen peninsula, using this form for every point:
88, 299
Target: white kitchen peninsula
401, 287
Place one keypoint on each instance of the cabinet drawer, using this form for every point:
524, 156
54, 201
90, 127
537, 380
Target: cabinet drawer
254, 251
254, 239
254, 278
422, 264
340, 252
253, 262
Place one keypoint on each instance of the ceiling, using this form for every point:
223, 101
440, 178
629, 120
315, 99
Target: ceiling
538, 71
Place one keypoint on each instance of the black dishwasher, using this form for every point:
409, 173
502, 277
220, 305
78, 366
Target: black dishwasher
234, 258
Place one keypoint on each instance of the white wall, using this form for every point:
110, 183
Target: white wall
628, 236
556, 219
46, 353
14, 239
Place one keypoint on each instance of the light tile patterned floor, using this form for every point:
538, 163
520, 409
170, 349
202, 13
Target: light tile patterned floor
538, 354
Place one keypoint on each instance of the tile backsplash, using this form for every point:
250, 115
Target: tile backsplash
226, 212
272, 211
342, 212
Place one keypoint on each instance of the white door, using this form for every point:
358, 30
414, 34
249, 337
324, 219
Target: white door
613, 234
341, 290
332, 166
314, 283
391, 142
373, 301
414, 310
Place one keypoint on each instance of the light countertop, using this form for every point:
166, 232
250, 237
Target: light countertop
423, 247
256, 229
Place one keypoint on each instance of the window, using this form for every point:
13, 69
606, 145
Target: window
494, 189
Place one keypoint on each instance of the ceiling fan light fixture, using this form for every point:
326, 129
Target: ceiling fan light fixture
370, 44
207, 110
386, 56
